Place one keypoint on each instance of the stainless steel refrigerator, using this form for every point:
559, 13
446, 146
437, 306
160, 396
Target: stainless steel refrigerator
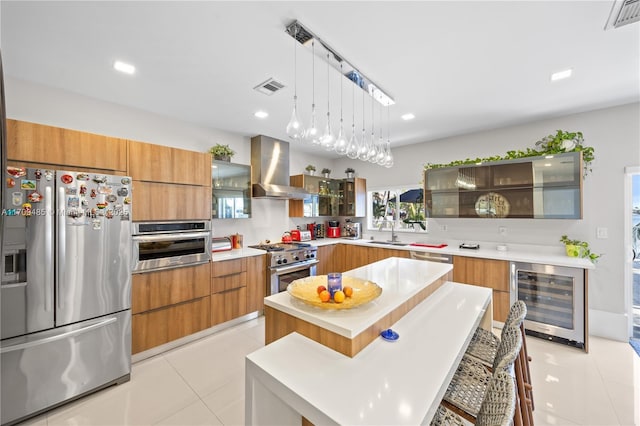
66, 287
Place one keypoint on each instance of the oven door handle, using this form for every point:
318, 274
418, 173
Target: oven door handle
296, 267
170, 237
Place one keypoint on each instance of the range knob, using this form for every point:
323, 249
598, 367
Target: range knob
279, 261
296, 257
312, 255
284, 260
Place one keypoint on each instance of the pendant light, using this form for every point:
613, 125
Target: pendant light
294, 128
372, 153
380, 156
328, 141
341, 141
352, 147
312, 134
388, 158
363, 150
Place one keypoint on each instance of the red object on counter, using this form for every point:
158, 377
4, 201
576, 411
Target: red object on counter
428, 245
295, 235
333, 232
286, 237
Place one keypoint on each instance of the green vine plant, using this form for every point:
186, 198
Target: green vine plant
560, 142
582, 248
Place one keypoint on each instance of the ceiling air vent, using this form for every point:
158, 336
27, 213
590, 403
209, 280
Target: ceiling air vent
269, 87
622, 13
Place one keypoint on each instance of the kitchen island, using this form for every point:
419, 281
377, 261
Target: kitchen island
404, 282
401, 382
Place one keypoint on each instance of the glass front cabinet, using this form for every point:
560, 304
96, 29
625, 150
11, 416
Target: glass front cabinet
548, 187
231, 189
329, 197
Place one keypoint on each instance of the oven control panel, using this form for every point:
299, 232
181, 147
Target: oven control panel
290, 257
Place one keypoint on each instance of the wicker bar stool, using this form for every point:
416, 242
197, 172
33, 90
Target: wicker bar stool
469, 384
497, 407
484, 344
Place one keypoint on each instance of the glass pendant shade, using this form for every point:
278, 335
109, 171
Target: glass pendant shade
388, 159
380, 157
363, 150
328, 141
352, 146
312, 134
373, 152
341, 141
294, 129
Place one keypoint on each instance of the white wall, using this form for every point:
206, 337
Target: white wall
615, 135
613, 132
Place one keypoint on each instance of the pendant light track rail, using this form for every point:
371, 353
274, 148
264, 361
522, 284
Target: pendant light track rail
305, 36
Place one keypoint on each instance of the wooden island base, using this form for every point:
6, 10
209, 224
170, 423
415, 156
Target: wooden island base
278, 324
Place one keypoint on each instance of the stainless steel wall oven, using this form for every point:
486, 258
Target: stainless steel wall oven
165, 245
555, 301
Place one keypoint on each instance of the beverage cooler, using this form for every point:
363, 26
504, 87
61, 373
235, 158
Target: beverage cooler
555, 299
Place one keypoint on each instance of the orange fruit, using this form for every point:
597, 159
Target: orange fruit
320, 289
325, 295
338, 296
348, 291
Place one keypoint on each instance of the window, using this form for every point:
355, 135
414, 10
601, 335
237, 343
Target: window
400, 207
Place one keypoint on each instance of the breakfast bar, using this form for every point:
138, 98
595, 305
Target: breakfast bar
296, 376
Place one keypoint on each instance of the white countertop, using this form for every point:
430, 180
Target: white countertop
235, 254
515, 252
399, 278
387, 383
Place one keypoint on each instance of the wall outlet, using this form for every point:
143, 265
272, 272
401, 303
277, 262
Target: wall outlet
602, 233
502, 230
443, 227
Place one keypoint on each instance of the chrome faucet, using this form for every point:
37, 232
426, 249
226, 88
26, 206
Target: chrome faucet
394, 237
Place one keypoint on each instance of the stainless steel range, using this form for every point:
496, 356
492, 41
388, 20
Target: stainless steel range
288, 262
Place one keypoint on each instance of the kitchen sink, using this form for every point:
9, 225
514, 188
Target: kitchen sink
389, 243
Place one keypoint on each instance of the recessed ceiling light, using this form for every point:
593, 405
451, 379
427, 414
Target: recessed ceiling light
561, 75
407, 117
261, 114
124, 67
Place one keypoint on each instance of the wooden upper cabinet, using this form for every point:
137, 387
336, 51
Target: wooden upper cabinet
164, 201
37, 143
157, 163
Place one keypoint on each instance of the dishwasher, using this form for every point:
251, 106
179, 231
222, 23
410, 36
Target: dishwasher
432, 257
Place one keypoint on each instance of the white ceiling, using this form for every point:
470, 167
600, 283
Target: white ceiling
458, 66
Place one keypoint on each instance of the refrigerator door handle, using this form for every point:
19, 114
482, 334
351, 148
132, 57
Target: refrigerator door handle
61, 221
61, 336
15, 285
48, 251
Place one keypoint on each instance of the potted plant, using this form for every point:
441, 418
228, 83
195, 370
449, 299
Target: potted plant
350, 172
222, 152
311, 169
577, 248
326, 172
563, 141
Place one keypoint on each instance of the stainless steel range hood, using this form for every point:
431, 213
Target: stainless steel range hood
270, 170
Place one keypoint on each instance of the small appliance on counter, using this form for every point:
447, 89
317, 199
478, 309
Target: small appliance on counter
319, 230
311, 227
352, 231
221, 244
333, 230
300, 235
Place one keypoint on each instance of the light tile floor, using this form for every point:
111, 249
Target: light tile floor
202, 383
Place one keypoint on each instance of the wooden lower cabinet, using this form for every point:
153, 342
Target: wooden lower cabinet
488, 273
154, 328
326, 259
154, 290
228, 305
238, 287
256, 282
355, 256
